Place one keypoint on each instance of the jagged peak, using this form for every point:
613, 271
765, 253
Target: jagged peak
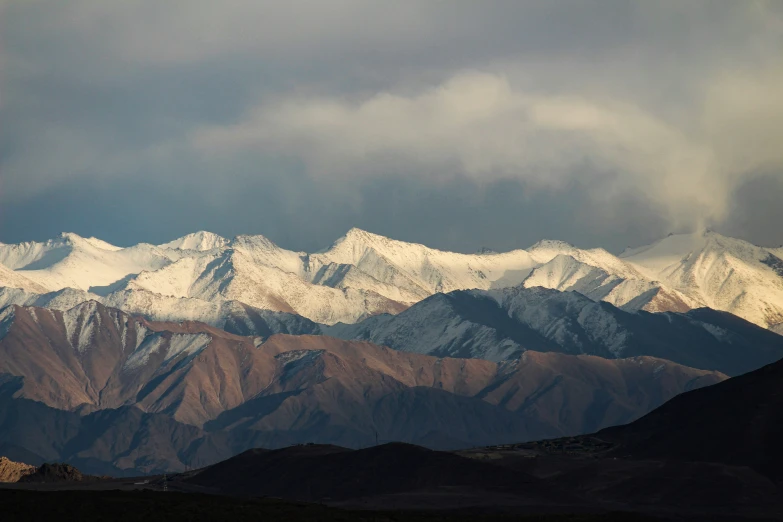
551, 244
201, 240
253, 240
71, 237
690, 242
358, 237
362, 237
563, 258
89, 306
357, 234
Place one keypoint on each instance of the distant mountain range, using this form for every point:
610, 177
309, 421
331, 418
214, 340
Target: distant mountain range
161, 357
200, 276
112, 392
498, 325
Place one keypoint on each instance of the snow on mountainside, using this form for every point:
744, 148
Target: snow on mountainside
636, 292
235, 275
70, 261
364, 274
11, 279
724, 273
232, 316
200, 240
498, 325
422, 269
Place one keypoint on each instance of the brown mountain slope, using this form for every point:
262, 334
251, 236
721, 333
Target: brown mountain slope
151, 395
93, 357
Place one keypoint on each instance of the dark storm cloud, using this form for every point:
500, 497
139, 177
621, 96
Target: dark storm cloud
458, 124
757, 211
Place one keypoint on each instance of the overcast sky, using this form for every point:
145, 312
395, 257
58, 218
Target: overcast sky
458, 124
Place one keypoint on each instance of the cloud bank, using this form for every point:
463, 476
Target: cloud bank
604, 122
479, 125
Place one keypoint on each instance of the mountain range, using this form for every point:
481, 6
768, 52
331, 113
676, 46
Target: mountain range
117, 393
498, 325
162, 357
203, 276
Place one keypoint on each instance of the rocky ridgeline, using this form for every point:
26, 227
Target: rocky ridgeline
11, 471
55, 473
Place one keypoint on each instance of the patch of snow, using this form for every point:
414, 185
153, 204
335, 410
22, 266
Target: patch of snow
149, 345
80, 322
297, 355
174, 346
6, 320
186, 344
200, 241
716, 331
141, 334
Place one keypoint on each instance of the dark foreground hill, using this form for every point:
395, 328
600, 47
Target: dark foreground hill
737, 422
398, 482
120, 506
712, 454
531, 478
318, 473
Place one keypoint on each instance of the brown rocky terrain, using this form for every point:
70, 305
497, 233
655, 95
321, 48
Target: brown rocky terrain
112, 392
54, 473
11, 471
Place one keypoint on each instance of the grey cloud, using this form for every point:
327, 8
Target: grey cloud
480, 125
756, 213
99, 102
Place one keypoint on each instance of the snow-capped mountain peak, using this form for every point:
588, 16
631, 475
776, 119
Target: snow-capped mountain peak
364, 273
723, 272
551, 245
200, 241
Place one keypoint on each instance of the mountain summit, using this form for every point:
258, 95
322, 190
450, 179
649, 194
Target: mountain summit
364, 274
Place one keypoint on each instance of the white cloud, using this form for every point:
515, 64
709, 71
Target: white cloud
481, 126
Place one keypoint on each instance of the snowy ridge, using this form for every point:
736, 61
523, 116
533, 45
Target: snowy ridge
721, 272
425, 268
499, 325
71, 261
364, 274
79, 324
12, 279
224, 314
172, 346
6, 320
600, 326
197, 241
617, 283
